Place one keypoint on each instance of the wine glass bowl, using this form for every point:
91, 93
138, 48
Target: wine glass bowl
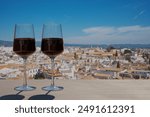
24, 46
52, 45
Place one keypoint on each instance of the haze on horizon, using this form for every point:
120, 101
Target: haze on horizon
83, 21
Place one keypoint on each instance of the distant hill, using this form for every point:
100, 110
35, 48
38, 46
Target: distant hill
10, 43
131, 46
6, 43
118, 46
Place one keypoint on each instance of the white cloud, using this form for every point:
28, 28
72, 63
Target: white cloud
104, 30
129, 28
113, 35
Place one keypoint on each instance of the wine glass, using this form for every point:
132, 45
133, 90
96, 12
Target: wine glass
24, 45
52, 46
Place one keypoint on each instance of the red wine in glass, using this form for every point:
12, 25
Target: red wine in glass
52, 46
24, 46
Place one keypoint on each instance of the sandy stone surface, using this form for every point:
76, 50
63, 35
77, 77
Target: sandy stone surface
79, 90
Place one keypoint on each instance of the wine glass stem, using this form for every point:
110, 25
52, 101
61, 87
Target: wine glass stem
25, 75
53, 66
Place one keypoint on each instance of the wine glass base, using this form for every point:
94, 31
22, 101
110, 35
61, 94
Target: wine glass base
52, 88
25, 88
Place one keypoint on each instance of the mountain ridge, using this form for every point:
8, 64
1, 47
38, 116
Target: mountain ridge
38, 44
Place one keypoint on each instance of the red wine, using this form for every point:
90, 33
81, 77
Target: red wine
52, 46
24, 46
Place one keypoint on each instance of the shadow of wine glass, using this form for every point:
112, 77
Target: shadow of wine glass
13, 96
42, 97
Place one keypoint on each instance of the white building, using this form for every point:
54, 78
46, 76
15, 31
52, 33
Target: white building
9, 73
32, 72
68, 70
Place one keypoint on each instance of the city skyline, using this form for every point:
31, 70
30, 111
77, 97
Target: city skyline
84, 21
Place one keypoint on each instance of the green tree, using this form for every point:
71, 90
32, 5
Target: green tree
118, 64
109, 48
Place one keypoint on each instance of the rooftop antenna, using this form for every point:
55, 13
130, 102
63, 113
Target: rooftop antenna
91, 46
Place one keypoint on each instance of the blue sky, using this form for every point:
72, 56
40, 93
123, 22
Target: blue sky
83, 21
